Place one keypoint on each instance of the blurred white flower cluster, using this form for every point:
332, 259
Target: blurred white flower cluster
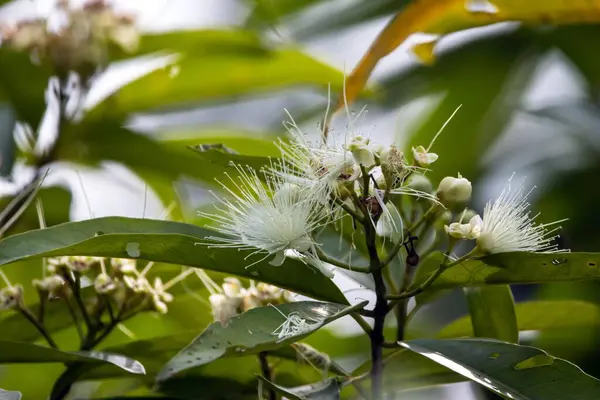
231, 298
74, 38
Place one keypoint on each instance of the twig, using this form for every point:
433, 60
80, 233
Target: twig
266, 372
27, 314
338, 263
363, 324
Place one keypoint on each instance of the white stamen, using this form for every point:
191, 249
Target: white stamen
507, 225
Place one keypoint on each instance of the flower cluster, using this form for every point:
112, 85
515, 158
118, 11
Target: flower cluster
75, 39
120, 283
280, 210
232, 298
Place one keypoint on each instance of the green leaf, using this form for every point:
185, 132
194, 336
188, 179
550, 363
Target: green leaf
213, 76
169, 160
492, 310
163, 241
405, 370
538, 316
517, 268
325, 390
245, 142
18, 352
254, 331
23, 84
57, 206
517, 372
7, 395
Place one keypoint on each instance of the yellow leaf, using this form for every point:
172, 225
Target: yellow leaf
441, 17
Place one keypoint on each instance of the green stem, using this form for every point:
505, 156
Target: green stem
350, 211
333, 261
398, 246
31, 318
75, 319
79, 301
363, 324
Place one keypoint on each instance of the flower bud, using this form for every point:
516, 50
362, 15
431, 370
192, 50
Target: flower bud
452, 191
470, 231
232, 287
466, 215
362, 153
50, 285
446, 217
136, 285
158, 305
11, 297
104, 284
123, 266
159, 290
223, 307
80, 264
251, 299
422, 157
419, 183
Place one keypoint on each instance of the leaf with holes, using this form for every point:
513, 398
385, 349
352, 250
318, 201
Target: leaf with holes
256, 330
163, 241
515, 268
517, 372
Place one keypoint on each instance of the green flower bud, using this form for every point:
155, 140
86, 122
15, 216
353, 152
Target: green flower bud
452, 191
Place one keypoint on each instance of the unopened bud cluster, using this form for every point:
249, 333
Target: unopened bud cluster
79, 42
120, 283
234, 299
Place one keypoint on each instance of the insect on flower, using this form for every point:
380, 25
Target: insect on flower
271, 217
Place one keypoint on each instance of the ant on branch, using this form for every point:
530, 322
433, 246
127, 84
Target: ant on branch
412, 257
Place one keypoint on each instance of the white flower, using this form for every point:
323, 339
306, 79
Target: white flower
11, 297
224, 307
471, 231
422, 156
260, 217
325, 162
507, 225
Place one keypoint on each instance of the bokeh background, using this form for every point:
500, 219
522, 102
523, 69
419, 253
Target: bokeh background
224, 71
